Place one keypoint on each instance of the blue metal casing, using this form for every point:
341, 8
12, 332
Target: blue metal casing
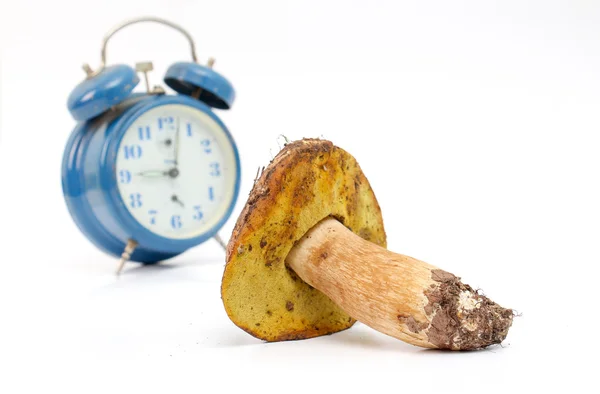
96, 95
186, 78
90, 185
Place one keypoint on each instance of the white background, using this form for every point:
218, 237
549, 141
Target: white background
476, 123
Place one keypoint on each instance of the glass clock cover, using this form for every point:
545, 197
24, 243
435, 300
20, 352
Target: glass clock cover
176, 171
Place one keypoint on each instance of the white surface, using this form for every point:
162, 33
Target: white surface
475, 122
200, 167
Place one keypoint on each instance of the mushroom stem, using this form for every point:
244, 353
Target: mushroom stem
395, 294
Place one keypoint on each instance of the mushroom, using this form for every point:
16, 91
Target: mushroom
308, 257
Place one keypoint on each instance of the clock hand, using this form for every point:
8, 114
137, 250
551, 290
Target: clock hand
177, 144
176, 200
153, 173
173, 173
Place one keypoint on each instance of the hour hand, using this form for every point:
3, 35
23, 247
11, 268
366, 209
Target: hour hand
153, 173
176, 200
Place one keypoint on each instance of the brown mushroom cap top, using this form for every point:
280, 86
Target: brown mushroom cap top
306, 182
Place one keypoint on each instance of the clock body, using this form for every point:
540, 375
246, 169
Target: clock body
162, 170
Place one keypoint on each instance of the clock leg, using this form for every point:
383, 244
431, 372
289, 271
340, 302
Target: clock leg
218, 238
129, 248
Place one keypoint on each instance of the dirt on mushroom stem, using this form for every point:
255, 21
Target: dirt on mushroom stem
462, 318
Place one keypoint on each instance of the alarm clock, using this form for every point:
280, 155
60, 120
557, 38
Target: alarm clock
148, 175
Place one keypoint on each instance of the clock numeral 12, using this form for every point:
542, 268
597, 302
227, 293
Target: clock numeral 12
135, 200
164, 121
176, 222
189, 129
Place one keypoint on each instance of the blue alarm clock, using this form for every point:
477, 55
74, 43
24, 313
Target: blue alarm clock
148, 175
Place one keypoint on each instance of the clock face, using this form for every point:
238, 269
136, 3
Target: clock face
176, 171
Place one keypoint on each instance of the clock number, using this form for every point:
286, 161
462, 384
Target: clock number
206, 144
198, 215
152, 214
165, 121
135, 200
124, 176
176, 222
188, 128
211, 193
144, 133
132, 152
215, 169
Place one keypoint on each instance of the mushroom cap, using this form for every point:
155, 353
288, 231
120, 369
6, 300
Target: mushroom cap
307, 181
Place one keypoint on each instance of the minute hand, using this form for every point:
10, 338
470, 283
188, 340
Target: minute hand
177, 144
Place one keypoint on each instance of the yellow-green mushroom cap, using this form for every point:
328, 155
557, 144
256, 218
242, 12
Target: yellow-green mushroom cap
307, 181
